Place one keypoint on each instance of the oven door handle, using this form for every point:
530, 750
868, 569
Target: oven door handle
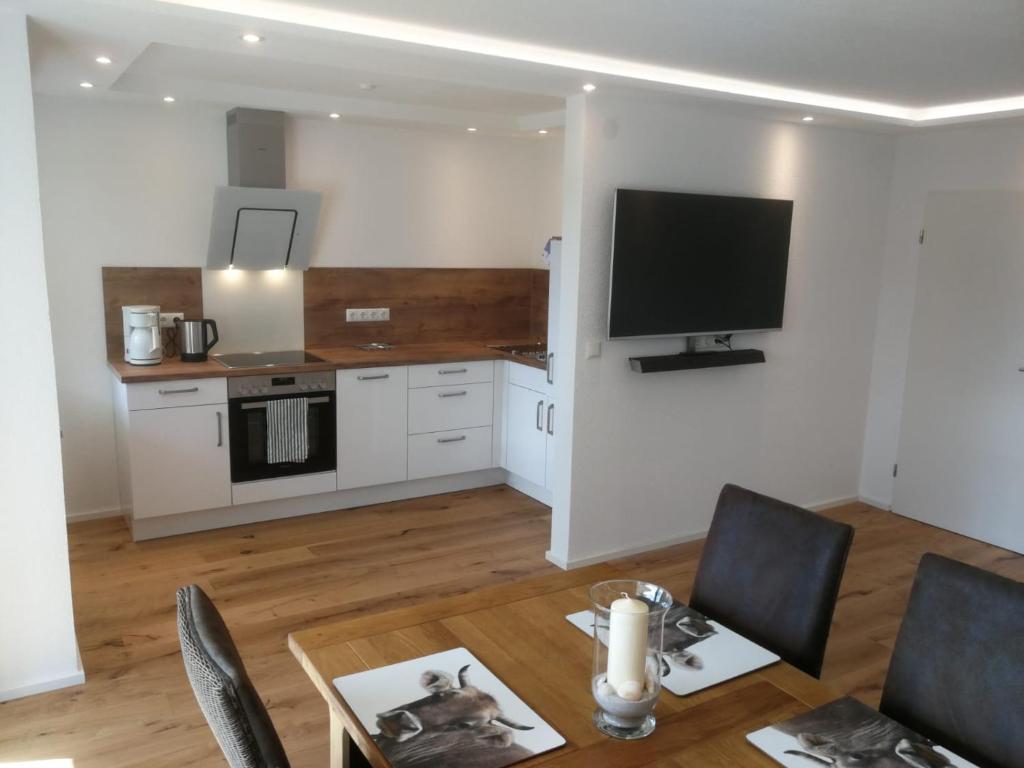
312, 401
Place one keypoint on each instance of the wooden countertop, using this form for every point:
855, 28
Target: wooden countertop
335, 358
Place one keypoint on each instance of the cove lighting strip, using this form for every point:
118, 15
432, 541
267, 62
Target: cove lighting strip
416, 34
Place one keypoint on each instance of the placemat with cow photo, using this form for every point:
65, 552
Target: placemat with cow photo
698, 652
445, 710
847, 732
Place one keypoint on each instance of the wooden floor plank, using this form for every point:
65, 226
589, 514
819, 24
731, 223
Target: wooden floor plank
434, 558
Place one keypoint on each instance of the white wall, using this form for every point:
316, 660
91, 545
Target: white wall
37, 633
978, 157
651, 452
130, 185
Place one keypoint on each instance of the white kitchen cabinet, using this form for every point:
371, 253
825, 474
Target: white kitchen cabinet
435, 409
447, 453
372, 426
526, 446
180, 460
177, 394
451, 374
549, 447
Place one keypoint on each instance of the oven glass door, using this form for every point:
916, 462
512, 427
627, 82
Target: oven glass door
247, 421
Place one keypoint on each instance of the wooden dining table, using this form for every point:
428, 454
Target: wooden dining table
519, 631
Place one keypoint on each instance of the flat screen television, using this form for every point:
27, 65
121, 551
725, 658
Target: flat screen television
688, 264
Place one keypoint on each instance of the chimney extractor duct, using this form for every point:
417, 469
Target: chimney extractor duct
257, 223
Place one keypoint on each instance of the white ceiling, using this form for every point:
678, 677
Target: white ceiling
507, 65
913, 52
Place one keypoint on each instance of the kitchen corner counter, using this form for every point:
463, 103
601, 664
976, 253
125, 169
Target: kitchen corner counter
335, 358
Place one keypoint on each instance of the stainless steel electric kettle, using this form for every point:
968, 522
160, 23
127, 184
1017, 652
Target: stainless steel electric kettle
193, 342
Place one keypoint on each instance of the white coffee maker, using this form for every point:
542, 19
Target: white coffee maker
142, 344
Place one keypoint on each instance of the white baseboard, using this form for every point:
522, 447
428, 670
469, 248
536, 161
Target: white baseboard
614, 554
43, 686
551, 557
580, 562
93, 514
207, 519
886, 505
534, 491
822, 505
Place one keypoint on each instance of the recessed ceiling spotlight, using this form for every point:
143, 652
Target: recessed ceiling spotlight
589, 87
252, 37
542, 131
104, 60
367, 87
169, 99
85, 84
808, 118
334, 115
471, 129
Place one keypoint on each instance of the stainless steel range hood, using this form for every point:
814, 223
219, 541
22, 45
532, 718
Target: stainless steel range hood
257, 223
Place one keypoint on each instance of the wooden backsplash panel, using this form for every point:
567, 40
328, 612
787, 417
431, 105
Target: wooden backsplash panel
539, 304
427, 305
174, 289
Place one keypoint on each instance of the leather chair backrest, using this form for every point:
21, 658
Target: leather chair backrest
771, 571
957, 669
222, 687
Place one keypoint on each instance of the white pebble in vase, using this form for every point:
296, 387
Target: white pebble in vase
630, 690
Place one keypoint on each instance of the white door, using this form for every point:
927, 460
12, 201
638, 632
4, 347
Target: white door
527, 439
961, 455
180, 461
373, 428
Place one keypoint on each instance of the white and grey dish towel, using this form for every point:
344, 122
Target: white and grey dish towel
287, 432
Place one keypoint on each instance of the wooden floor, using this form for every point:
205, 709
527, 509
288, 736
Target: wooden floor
270, 578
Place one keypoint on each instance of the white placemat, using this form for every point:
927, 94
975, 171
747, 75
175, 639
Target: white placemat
699, 653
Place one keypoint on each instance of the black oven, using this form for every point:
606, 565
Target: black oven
247, 421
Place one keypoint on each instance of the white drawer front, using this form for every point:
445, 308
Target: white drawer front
447, 453
446, 374
172, 394
529, 377
283, 488
433, 409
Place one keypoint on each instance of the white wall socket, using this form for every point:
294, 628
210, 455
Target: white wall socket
167, 318
375, 315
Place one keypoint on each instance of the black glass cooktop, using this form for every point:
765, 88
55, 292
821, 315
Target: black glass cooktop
267, 359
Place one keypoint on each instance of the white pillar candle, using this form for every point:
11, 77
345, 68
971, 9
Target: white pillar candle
627, 641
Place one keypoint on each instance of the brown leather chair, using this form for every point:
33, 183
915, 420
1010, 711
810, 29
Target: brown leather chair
957, 669
771, 571
223, 689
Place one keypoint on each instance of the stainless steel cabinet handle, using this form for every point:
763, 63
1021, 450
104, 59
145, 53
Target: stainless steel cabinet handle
452, 394
540, 416
458, 439
374, 378
177, 391
551, 423
549, 365
220, 429
263, 403
452, 370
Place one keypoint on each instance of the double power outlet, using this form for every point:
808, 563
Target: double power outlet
375, 315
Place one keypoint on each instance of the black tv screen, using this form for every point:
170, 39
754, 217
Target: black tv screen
690, 264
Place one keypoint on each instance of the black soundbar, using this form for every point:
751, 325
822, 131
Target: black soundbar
688, 361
